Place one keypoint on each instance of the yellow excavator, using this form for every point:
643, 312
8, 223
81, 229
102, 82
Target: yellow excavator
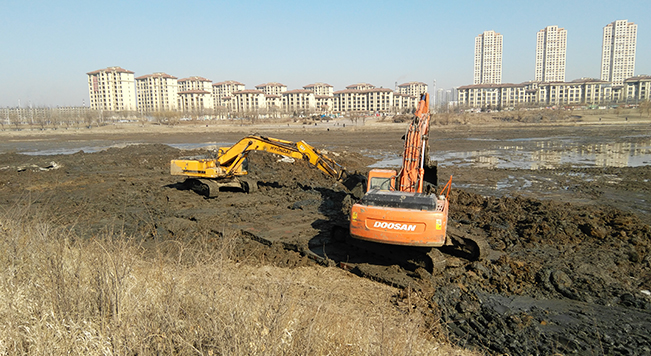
208, 175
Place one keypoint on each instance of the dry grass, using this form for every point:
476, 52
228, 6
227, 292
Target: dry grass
111, 296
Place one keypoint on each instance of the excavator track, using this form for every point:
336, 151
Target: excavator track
467, 243
210, 187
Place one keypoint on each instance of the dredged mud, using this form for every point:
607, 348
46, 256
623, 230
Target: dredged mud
564, 277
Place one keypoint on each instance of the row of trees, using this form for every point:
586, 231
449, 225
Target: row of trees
78, 117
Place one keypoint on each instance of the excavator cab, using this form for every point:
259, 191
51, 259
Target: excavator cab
381, 179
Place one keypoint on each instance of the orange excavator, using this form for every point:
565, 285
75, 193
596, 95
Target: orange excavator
402, 208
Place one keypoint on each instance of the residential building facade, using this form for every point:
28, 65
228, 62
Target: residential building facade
157, 92
320, 89
195, 95
618, 51
273, 88
112, 89
488, 58
412, 88
250, 100
551, 48
299, 100
637, 88
225, 89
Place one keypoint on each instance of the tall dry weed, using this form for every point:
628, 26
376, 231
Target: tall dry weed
109, 295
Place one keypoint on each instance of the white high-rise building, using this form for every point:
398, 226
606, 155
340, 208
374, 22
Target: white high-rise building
157, 92
618, 51
551, 46
112, 89
488, 58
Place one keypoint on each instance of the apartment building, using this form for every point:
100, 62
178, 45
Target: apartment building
488, 58
481, 95
618, 51
225, 89
412, 88
551, 47
250, 100
325, 104
299, 100
349, 100
195, 83
112, 89
272, 88
274, 104
360, 86
322, 89
195, 95
379, 100
586, 91
637, 88
157, 92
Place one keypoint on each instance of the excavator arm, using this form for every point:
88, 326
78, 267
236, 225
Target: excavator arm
414, 158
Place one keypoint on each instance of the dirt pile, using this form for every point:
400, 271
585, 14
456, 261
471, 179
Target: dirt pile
565, 278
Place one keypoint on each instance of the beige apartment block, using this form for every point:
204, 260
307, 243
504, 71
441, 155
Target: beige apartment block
488, 58
112, 89
224, 89
250, 100
157, 92
274, 104
379, 100
360, 86
325, 104
272, 88
197, 102
398, 102
195, 95
618, 51
584, 91
403, 103
350, 100
638, 88
551, 47
320, 89
559, 93
195, 83
594, 91
480, 95
228, 103
413, 88
299, 100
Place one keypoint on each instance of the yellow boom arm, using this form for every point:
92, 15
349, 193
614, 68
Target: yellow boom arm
229, 159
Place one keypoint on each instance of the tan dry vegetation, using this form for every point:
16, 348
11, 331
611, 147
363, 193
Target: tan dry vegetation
111, 296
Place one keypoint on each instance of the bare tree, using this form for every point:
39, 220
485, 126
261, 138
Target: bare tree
618, 110
644, 106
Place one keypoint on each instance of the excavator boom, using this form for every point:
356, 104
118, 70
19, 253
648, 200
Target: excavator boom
229, 162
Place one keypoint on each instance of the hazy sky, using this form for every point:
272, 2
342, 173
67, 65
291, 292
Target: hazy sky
47, 47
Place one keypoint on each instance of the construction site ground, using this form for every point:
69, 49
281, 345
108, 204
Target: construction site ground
569, 269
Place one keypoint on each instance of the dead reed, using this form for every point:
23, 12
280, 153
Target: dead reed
110, 295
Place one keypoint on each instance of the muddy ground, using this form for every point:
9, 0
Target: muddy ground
570, 263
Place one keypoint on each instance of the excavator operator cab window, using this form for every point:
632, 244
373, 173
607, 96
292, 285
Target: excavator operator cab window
380, 183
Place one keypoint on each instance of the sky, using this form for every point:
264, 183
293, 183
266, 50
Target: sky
47, 47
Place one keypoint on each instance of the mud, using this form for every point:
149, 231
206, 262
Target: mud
570, 263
